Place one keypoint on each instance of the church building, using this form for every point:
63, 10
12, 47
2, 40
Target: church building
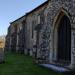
47, 33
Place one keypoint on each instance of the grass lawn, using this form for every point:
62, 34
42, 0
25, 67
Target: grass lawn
17, 64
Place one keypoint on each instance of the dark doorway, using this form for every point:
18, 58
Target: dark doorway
64, 39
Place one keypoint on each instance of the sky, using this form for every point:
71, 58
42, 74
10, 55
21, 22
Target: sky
11, 10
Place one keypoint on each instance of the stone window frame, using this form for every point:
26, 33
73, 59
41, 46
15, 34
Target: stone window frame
38, 19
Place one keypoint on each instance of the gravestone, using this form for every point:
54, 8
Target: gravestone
1, 55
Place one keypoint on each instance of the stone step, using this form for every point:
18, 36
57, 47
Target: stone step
55, 68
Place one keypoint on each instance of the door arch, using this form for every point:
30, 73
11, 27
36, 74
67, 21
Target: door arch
62, 38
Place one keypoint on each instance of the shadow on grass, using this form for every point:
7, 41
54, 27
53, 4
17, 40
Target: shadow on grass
69, 73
